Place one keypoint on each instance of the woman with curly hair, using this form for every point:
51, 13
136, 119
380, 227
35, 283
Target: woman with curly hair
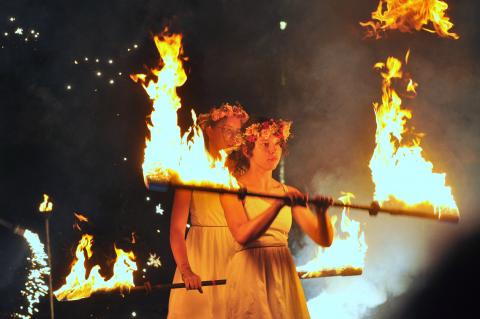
262, 281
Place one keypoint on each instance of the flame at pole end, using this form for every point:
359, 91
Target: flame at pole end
348, 250
409, 16
400, 174
169, 155
35, 286
46, 206
77, 284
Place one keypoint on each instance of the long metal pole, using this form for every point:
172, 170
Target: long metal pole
374, 208
147, 287
49, 254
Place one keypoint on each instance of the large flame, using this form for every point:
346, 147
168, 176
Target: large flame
399, 171
410, 15
79, 286
347, 253
169, 156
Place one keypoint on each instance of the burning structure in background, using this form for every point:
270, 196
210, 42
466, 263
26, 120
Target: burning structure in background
409, 16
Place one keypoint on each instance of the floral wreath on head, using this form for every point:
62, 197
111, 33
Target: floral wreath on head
223, 111
278, 128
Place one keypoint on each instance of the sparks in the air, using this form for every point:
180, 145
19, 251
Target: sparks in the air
35, 287
154, 261
159, 210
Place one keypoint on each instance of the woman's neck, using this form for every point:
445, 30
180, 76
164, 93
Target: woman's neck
258, 178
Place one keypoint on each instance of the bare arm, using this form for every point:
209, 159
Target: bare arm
316, 225
178, 223
245, 230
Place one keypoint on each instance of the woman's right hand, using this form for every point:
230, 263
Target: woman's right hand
192, 280
295, 198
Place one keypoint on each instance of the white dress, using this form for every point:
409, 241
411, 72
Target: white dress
209, 249
262, 281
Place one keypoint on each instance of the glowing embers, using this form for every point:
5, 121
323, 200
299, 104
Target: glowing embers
79, 286
401, 175
409, 16
346, 256
169, 155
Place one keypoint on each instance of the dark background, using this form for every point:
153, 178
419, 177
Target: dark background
72, 143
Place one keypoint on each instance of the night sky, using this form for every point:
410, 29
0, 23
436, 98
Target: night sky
74, 128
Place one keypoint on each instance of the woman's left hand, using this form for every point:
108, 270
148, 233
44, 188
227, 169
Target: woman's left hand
322, 203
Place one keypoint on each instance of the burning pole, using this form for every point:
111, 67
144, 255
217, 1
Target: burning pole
330, 272
148, 287
46, 208
373, 209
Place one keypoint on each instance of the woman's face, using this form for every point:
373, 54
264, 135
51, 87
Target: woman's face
267, 153
223, 134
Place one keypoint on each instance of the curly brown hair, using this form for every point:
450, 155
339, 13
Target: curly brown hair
238, 161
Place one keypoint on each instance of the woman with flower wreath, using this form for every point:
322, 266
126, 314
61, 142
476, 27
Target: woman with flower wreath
205, 252
261, 278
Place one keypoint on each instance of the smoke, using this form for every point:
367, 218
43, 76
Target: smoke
317, 72
330, 98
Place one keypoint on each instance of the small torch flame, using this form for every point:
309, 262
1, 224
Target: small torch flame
410, 15
46, 206
77, 284
347, 253
169, 156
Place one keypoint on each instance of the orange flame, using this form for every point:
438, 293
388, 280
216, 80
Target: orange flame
410, 15
45, 206
169, 156
77, 284
412, 86
399, 171
348, 250
80, 217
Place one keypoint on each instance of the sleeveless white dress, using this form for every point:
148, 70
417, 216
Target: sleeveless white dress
262, 281
209, 249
